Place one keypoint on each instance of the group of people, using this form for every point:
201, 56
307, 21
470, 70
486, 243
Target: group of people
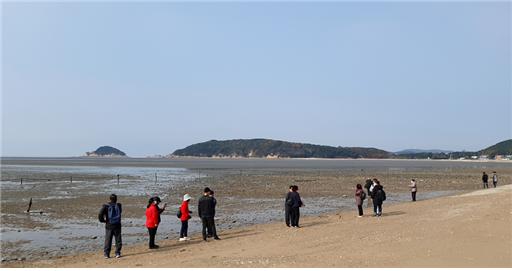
485, 179
110, 214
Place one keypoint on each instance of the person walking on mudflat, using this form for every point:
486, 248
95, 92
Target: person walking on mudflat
288, 206
485, 180
360, 196
205, 211
494, 179
413, 187
110, 214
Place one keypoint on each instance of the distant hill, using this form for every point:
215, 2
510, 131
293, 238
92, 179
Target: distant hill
502, 148
274, 149
413, 151
105, 151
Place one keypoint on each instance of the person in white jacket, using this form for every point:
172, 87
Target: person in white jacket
413, 189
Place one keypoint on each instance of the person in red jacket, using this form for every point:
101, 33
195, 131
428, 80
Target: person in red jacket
153, 219
185, 216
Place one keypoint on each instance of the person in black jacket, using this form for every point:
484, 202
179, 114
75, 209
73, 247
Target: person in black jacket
110, 214
485, 180
378, 198
213, 232
287, 206
296, 203
206, 211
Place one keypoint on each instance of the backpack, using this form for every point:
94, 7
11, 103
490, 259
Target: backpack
383, 195
114, 214
179, 213
363, 195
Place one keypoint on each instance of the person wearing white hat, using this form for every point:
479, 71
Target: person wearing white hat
185, 216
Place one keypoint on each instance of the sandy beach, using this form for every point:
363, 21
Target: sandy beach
467, 230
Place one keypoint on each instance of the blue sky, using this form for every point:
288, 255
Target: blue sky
152, 78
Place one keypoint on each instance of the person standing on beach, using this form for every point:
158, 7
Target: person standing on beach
213, 232
205, 211
110, 214
360, 196
367, 185
296, 203
494, 179
153, 219
379, 196
185, 216
287, 206
485, 180
413, 189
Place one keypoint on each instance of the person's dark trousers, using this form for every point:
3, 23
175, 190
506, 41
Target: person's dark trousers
287, 215
377, 208
294, 216
413, 194
207, 224
213, 232
493, 183
360, 209
486, 185
112, 231
152, 234
184, 229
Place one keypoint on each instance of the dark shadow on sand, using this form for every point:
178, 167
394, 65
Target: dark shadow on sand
393, 213
183, 245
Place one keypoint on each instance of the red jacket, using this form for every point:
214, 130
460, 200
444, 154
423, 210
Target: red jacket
185, 214
152, 216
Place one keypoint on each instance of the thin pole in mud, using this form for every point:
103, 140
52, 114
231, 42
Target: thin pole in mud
21, 181
117, 179
240, 176
156, 178
71, 179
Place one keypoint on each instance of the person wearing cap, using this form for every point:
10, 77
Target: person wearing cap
205, 211
110, 214
185, 216
153, 219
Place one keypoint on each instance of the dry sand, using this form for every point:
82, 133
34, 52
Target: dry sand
470, 230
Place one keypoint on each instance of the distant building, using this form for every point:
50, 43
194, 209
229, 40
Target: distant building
474, 157
483, 157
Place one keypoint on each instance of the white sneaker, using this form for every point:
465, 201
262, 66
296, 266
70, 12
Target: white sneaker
187, 238
359, 216
182, 239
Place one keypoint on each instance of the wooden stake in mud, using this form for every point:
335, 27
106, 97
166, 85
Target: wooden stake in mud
71, 179
156, 178
21, 181
117, 179
29, 205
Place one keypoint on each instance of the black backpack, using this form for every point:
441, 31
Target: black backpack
383, 195
363, 195
179, 213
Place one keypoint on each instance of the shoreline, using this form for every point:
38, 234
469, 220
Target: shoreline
259, 245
